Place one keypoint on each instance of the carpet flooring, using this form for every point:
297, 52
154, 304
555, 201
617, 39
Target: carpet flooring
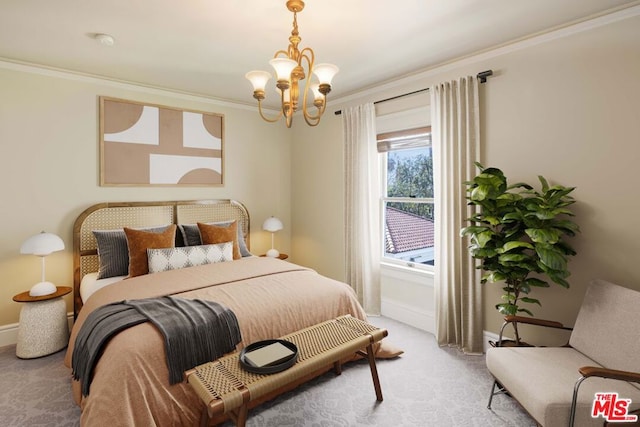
426, 386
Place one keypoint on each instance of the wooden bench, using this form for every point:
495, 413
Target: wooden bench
229, 390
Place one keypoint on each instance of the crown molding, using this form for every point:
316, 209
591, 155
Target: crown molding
43, 70
566, 30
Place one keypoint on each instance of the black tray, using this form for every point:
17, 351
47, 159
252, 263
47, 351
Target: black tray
271, 369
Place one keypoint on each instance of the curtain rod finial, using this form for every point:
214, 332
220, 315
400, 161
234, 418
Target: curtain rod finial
482, 76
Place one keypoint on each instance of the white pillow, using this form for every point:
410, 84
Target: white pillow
188, 256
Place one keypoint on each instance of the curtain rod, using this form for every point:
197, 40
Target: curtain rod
482, 76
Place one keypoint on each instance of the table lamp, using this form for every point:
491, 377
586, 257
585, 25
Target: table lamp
41, 245
272, 225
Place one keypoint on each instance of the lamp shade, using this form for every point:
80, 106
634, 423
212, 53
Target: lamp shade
325, 72
258, 79
283, 68
315, 88
272, 224
42, 244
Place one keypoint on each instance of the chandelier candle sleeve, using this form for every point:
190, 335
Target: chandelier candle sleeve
291, 67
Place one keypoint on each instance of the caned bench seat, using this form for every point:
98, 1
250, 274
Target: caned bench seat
226, 388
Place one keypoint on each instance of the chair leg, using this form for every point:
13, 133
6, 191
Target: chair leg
374, 372
493, 388
501, 390
574, 400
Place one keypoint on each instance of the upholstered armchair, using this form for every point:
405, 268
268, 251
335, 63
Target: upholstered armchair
558, 386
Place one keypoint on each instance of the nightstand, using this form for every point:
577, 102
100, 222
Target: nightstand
281, 256
43, 327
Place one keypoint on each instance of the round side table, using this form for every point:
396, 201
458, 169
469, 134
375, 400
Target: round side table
281, 256
43, 327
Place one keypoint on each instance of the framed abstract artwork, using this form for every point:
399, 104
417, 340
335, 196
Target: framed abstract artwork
146, 144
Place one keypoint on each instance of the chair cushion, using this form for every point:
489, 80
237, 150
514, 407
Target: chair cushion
607, 326
542, 380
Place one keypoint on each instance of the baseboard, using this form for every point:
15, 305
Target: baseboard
421, 319
9, 333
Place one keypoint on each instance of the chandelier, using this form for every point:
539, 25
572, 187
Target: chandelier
292, 66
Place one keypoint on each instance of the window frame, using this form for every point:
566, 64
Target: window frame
384, 199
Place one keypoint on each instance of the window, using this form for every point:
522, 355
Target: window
407, 201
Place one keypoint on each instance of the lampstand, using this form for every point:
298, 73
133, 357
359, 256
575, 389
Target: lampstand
41, 245
272, 225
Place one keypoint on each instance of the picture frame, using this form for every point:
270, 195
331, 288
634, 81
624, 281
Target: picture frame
145, 144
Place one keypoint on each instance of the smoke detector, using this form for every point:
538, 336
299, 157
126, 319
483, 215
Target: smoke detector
104, 39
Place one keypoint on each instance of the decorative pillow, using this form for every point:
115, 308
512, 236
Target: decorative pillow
113, 252
188, 256
139, 241
191, 236
212, 234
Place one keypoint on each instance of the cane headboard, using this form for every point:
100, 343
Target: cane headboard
109, 216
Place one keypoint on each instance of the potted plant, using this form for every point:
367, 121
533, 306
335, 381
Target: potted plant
518, 234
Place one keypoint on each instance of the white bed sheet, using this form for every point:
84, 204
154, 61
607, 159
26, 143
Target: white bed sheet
90, 283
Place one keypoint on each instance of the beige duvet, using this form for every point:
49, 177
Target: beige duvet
270, 298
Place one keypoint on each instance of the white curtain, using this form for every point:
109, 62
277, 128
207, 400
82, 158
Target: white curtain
362, 205
456, 146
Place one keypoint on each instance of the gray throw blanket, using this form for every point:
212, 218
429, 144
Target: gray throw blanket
195, 332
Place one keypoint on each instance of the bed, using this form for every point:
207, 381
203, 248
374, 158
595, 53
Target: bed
270, 298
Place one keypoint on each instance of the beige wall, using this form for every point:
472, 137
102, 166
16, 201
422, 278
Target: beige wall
568, 109
49, 168
317, 190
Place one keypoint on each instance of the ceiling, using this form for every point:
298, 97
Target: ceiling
205, 47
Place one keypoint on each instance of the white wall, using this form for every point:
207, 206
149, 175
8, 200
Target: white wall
567, 108
49, 168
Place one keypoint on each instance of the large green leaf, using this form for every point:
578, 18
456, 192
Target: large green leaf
524, 310
496, 276
480, 192
545, 214
543, 235
565, 248
473, 229
559, 280
532, 281
545, 184
551, 258
509, 246
512, 216
493, 220
520, 185
566, 226
507, 258
507, 309
483, 238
